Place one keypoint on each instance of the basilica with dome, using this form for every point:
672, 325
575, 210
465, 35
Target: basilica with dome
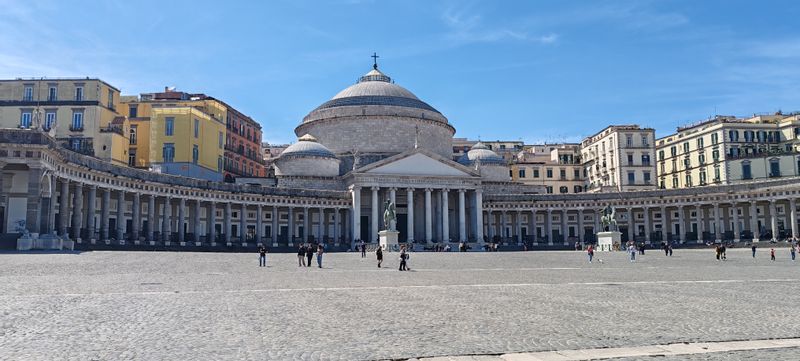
380, 142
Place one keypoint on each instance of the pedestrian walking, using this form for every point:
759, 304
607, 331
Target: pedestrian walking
262, 256
666, 248
309, 254
320, 250
670, 250
590, 252
792, 251
379, 255
753, 248
772, 254
363, 249
723, 252
402, 258
301, 254
632, 251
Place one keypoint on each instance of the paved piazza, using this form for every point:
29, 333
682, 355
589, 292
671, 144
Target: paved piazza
211, 306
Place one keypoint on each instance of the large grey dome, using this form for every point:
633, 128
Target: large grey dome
307, 158
480, 153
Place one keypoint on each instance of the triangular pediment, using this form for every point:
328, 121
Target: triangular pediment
418, 163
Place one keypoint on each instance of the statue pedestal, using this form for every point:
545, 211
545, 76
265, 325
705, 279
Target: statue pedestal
388, 240
606, 240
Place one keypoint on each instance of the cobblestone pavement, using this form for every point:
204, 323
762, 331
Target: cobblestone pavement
760, 355
209, 306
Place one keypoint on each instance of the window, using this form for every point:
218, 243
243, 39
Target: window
168, 152
132, 134
686, 147
644, 141
75, 144
702, 158
663, 168
196, 128
522, 172
673, 151
660, 155
110, 99
25, 119
77, 120
631, 178
674, 165
628, 140
577, 189
747, 173
28, 94
195, 154
687, 163
133, 111
563, 189
748, 135
646, 159
702, 178
79, 93
52, 93
733, 135
714, 138
169, 126
700, 142
562, 173
576, 174
646, 177
716, 174
219, 140
549, 173
219, 164
715, 155
688, 180
674, 181
774, 168
132, 158
630, 159
549, 189
49, 119
536, 173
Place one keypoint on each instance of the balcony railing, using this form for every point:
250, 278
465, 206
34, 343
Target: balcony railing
762, 154
112, 129
76, 128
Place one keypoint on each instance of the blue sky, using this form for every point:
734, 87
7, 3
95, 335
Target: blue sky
532, 70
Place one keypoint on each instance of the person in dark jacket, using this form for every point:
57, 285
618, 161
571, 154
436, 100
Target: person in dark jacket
262, 256
309, 254
301, 252
379, 255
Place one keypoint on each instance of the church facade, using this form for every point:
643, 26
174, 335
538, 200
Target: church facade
374, 141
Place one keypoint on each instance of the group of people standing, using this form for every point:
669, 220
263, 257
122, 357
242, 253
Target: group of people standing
793, 249
305, 253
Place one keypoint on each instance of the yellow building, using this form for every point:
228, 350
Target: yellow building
557, 167
182, 136
81, 113
727, 149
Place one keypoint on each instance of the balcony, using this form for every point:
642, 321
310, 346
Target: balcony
76, 128
111, 129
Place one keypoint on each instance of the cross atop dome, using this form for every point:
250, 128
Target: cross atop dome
375, 74
375, 60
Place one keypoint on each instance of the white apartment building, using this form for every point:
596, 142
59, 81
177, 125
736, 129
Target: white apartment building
620, 158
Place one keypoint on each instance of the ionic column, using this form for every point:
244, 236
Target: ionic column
211, 222
631, 225
321, 225
181, 219
445, 216
503, 221
681, 224
393, 195
754, 221
518, 227
121, 215
105, 211
647, 229
227, 220
275, 226
664, 225
137, 217
77, 211
336, 228
410, 217
564, 226
166, 228
773, 213
549, 224
736, 229
356, 193
91, 211
490, 224
291, 226
596, 217
151, 216
243, 224
259, 224
700, 225
428, 216
718, 228
580, 232
307, 226
374, 219
198, 229
479, 215
63, 209
51, 209
793, 216
462, 216
533, 226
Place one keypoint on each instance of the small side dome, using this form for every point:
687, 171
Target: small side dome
307, 146
479, 153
